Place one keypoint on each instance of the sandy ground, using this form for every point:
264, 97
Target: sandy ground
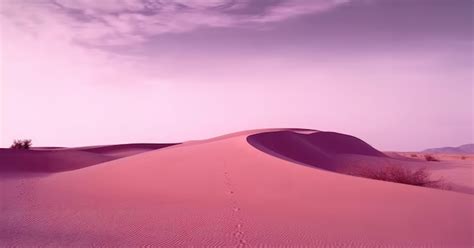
224, 192
455, 169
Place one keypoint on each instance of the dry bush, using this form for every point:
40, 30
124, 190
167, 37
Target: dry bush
21, 144
413, 155
429, 157
463, 157
405, 175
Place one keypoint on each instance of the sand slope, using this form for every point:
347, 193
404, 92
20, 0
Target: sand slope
226, 193
123, 150
47, 160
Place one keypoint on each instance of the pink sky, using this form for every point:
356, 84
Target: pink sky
397, 74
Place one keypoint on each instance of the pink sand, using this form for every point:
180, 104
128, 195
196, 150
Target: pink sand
224, 192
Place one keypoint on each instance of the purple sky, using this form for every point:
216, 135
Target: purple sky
396, 73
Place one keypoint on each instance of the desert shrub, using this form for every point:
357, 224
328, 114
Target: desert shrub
413, 155
463, 157
429, 157
405, 175
21, 144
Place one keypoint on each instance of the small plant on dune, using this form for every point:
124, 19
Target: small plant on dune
21, 144
463, 157
431, 158
405, 175
414, 156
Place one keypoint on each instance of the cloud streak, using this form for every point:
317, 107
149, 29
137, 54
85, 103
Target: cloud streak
358, 70
126, 22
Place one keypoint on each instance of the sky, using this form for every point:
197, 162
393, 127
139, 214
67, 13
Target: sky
395, 73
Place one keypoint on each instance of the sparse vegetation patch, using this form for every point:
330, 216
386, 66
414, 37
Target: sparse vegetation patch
399, 174
431, 158
21, 144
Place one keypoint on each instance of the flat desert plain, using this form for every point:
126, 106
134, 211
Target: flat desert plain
258, 188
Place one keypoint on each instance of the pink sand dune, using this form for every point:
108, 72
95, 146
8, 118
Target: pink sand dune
47, 161
321, 149
224, 192
123, 150
347, 154
63, 159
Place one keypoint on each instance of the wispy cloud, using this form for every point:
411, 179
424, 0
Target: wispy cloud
123, 22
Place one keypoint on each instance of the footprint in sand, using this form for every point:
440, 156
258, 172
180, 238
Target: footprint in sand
238, 233
242, 243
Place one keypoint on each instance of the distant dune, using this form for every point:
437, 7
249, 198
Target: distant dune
56, 159
122, 150
464, 149
225, 192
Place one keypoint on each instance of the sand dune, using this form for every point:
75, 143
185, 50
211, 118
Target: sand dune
47, 161
226, 193
347, 154
63, 159
320, 149
123, 150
